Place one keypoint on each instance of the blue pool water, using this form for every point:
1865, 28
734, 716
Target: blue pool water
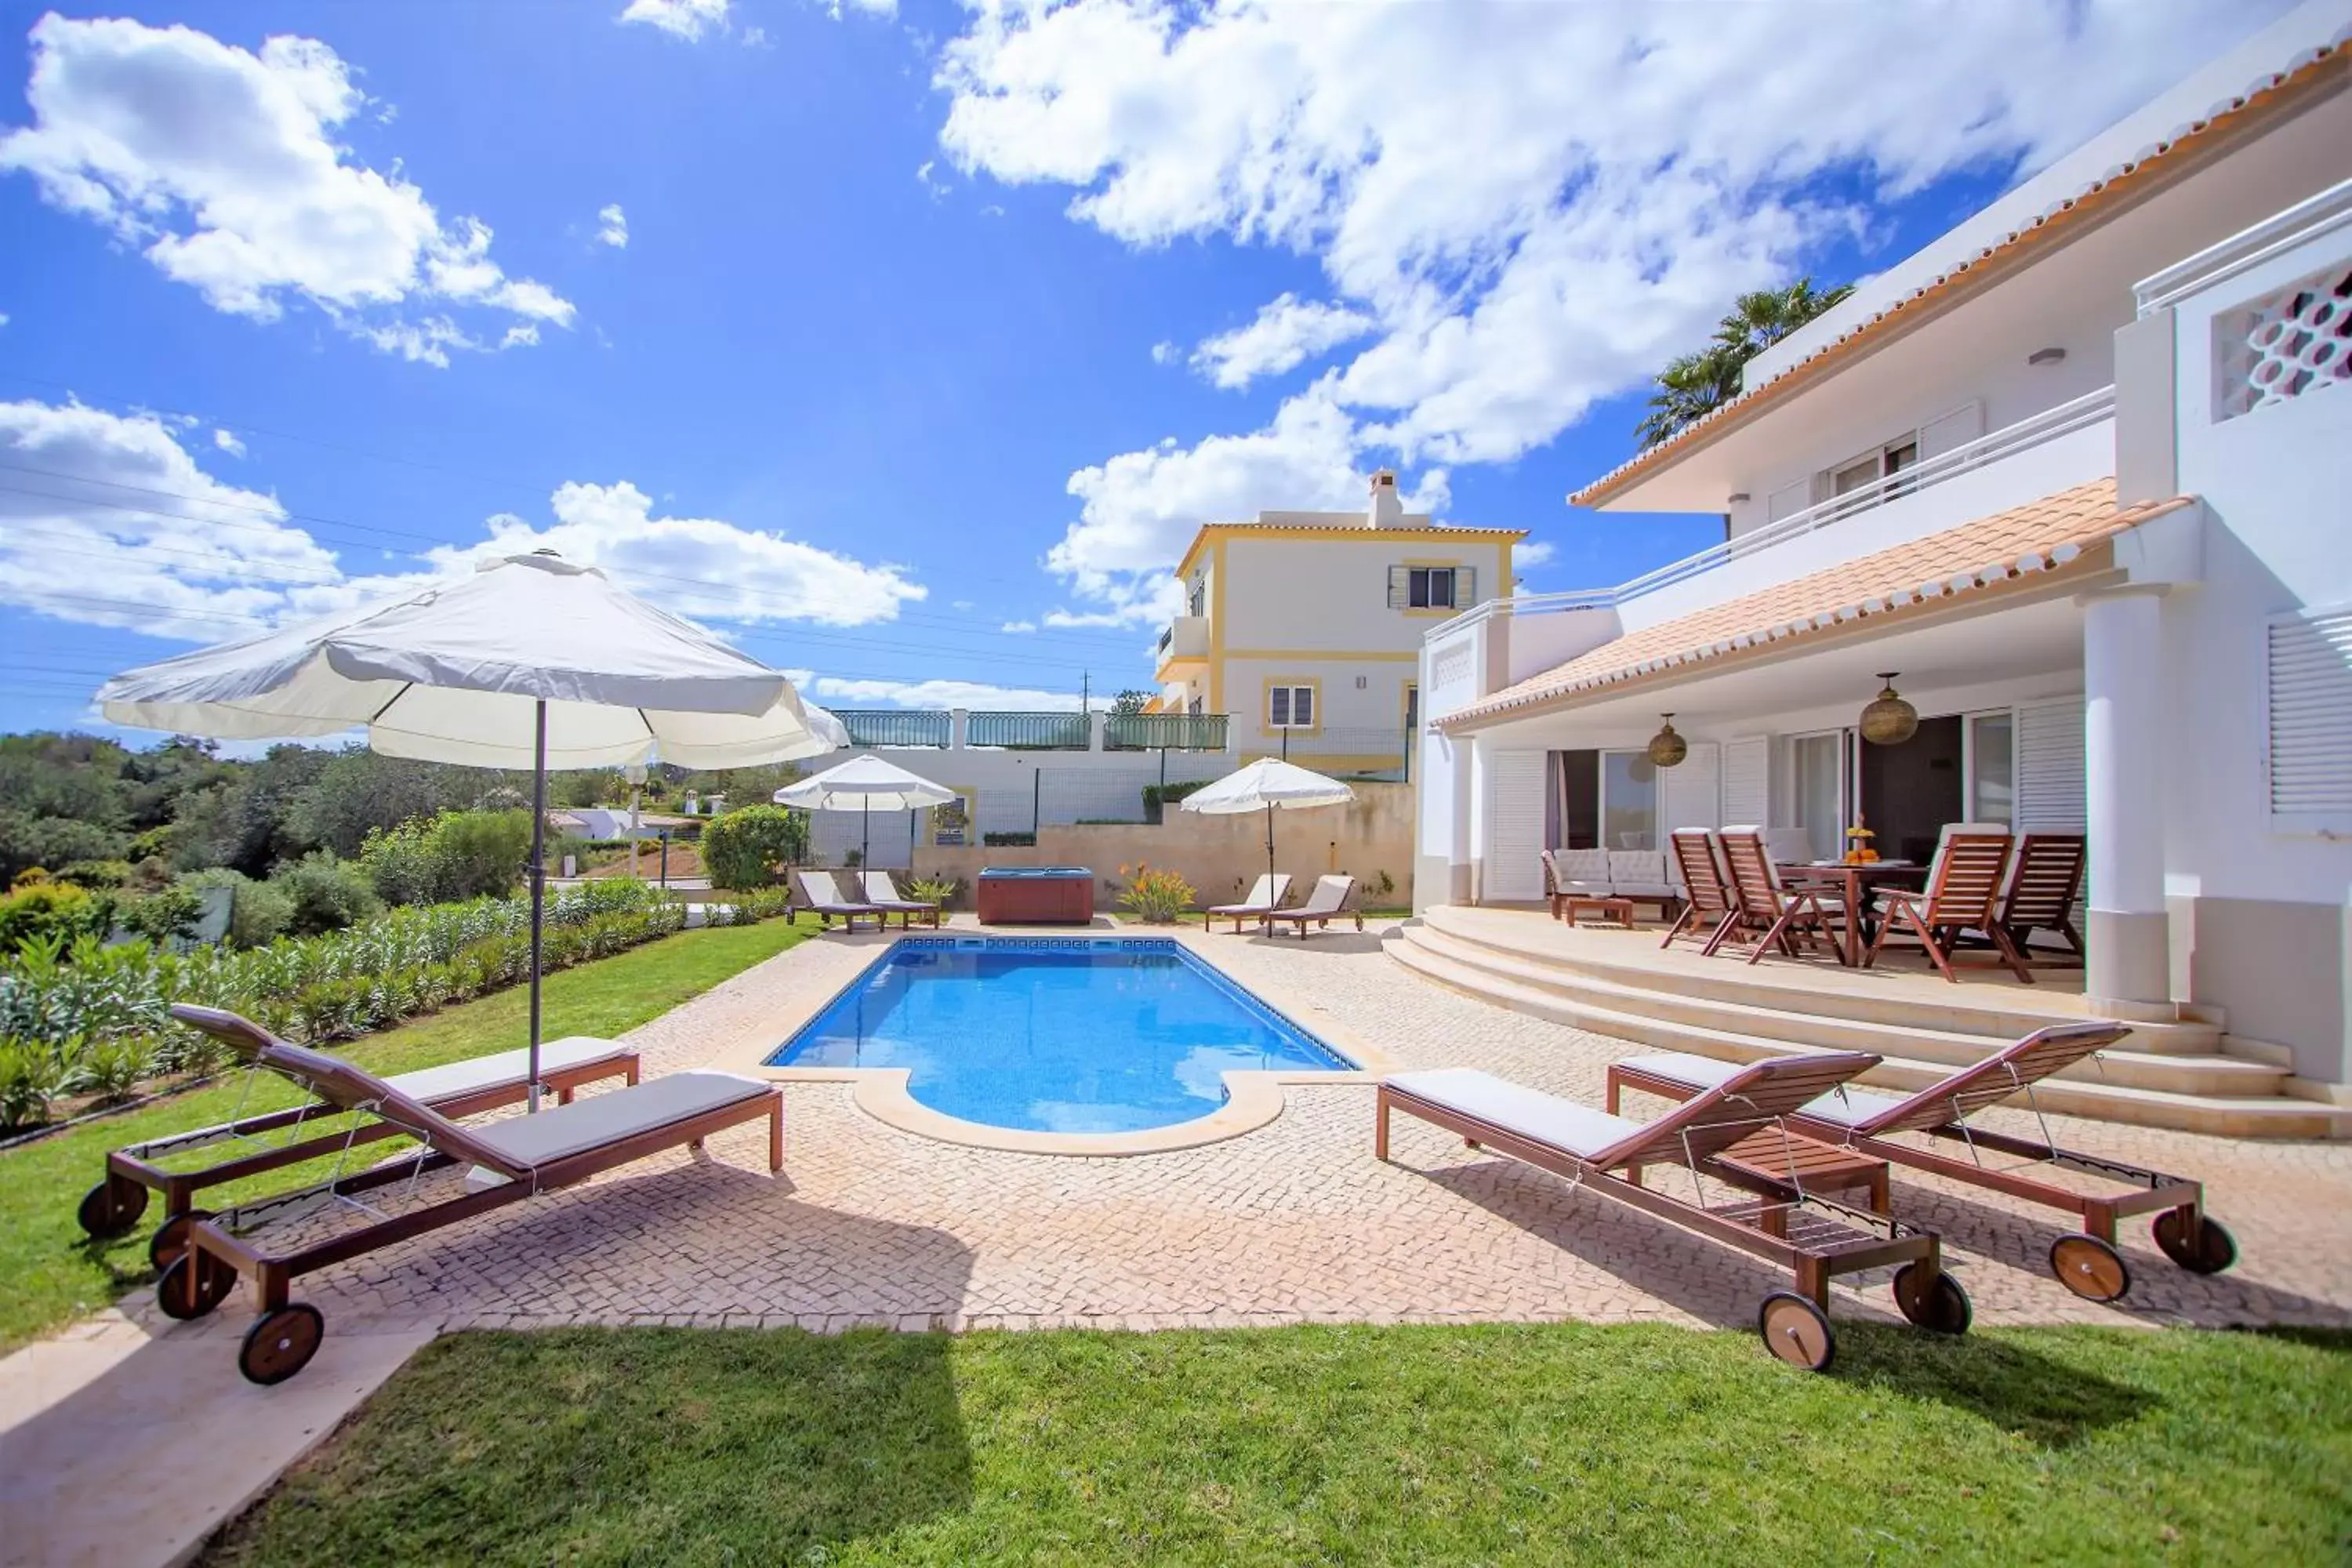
1055, 1037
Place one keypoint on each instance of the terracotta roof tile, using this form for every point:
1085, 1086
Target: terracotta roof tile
2118, 186
2052, 534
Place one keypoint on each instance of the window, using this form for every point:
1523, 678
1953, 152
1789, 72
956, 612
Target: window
1433, 587
1884, 463
1196, 706
1992, 768
1290, 708
1819, 764
1629, 801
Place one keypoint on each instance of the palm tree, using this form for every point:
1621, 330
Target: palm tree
1693, 386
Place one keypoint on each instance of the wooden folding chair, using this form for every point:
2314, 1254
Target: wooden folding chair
2042, 893
1709, 909
1785, 914
1959, 898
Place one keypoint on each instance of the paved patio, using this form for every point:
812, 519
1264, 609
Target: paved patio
1293, 1221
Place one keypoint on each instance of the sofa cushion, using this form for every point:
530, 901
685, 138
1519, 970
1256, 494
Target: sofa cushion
1581, 865
1646, 868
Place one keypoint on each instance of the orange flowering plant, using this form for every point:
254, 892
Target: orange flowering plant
1156, 898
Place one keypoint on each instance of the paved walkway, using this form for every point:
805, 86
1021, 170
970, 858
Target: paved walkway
1296, 1222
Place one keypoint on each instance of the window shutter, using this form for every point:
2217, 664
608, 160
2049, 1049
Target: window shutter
1512, 853
1400, 586
2050, 792
1466, 586
1302, 707
1747, 774
1278, 710
2310, 722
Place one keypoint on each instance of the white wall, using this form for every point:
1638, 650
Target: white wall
2275, 483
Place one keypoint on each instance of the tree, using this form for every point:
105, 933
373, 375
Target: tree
1694, 385
1130, 702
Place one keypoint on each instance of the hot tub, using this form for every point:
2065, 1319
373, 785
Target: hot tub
1036, 895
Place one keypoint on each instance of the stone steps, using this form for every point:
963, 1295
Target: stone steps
1736, 1019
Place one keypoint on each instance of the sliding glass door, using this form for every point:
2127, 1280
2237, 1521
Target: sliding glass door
1629, 801
1819, 767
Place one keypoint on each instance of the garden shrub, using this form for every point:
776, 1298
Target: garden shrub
751, 848
45, 909
940, 890
162, 916
1156, 898
327, 894
258, 912
32, 1074
456, 854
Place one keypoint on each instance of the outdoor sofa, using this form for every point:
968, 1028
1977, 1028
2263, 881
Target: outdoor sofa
1637, 876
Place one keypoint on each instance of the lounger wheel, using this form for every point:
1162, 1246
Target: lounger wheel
1937, 1304
2210, 1251
1796, 1331
194, 1284
281, 1344
110, 1208
171, 1239
2089, 1267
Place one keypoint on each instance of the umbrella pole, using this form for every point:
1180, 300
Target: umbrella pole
864, 838
538, 879
1269, 862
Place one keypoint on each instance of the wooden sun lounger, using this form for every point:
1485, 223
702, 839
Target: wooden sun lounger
511, 1160
455, 1089
2087, 1263
881, 890
1327, 903
1812, 1237
821, 896
1265, 896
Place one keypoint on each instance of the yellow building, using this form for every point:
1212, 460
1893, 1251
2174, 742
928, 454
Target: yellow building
1306, 627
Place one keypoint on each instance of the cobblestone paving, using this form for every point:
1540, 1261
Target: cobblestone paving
1296, 1222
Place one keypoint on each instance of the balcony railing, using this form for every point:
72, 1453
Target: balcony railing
906, 727
2049, 425
1028, 731
1165, 731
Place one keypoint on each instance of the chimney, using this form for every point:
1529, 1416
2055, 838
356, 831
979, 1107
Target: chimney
1386, 511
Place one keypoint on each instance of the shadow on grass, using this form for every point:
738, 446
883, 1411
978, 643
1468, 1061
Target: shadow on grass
2052, 1404
2335, 1342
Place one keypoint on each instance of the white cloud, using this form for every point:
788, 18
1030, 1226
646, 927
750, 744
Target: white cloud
228, 442
1017, 628
1531, 207
128, 531
222, 166
1532, 552
1165, 352
1140, 508
931, 183
4, 317
688, 19
614, 226
1287, 333
700, 567
870, 7
937, 694
521, 336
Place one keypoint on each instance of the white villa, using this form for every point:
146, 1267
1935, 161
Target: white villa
2079, 475
1306, 627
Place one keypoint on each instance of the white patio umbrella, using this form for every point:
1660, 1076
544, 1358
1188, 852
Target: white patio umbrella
1268, 784
528, 661
864, 785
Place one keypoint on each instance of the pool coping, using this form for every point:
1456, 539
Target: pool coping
1255, 1097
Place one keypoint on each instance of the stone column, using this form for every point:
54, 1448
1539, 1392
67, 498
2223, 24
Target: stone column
2123, 764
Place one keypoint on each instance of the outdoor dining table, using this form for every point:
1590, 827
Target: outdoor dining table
1859, 886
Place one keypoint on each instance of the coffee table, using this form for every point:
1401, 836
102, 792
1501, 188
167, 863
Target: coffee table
1620, 911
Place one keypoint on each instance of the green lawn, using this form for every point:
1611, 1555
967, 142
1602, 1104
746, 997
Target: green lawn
1538, 1444
51, 1273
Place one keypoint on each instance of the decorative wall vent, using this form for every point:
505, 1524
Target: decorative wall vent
2297, 342
1450, 667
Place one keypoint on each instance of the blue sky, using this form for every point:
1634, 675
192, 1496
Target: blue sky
935, 329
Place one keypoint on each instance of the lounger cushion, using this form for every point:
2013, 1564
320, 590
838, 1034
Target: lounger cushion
1647, 890
1846, 1106
1530, 1112
529, 1141
452, 1079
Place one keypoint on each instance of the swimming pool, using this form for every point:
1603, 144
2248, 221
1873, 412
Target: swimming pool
1055, 1034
